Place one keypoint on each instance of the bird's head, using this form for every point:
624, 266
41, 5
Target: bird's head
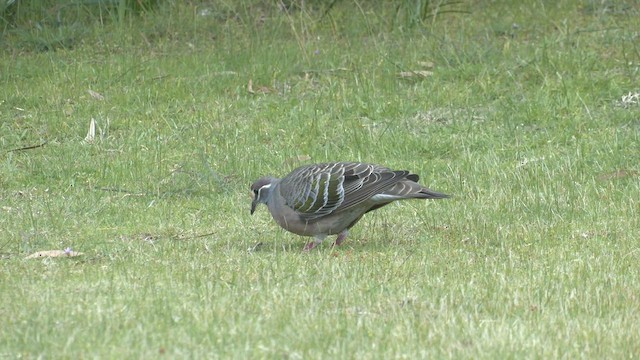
261, 190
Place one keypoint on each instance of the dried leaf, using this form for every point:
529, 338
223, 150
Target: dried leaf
54, 253
95, 95
415, 74
630, 99
224, 73
250, 87
91, 134
259, 89
527, 161
426, 64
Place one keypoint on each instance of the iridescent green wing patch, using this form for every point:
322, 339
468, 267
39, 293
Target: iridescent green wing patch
314, 192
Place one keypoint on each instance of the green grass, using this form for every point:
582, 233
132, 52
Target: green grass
535, 256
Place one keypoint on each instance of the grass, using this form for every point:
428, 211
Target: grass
522, 119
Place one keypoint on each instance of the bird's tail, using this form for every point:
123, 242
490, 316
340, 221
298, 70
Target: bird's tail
425, 193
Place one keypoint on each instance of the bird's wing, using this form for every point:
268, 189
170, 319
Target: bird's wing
317, 190
314, 190
363, 181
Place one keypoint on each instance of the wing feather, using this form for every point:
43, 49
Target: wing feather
317, 190
314, 191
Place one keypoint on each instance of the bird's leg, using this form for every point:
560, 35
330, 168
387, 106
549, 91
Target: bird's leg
312, 244
341, 237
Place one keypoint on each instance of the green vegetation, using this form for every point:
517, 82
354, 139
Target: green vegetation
528, 113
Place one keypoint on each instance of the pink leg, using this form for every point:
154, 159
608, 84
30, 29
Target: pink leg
341, 237
312, 244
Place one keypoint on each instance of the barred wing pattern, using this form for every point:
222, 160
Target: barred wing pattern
314, 191
317, 190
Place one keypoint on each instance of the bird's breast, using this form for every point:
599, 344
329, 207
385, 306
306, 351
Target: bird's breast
330, 224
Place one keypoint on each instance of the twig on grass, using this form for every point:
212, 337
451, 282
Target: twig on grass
30, 147
197, 236
125, 191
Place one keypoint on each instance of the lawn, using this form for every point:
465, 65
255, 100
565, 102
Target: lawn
527, 113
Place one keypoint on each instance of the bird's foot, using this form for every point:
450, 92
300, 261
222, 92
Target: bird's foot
310, 246
317, 240
340, 238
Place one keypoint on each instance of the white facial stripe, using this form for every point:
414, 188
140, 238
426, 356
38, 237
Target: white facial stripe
264, 188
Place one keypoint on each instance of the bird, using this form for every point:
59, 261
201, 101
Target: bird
325, 199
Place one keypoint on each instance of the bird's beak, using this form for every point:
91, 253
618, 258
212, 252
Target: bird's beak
254, 204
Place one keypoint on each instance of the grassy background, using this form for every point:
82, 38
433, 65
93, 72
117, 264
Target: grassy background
522, 119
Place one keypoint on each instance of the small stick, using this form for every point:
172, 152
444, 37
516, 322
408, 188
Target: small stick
29, 147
